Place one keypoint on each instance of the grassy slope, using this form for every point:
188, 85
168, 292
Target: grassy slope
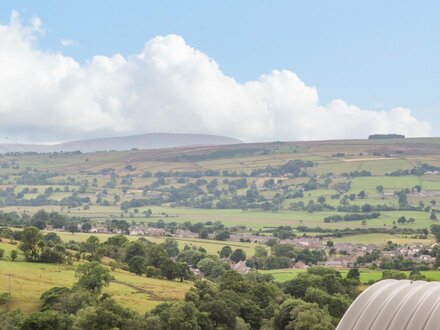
30, 280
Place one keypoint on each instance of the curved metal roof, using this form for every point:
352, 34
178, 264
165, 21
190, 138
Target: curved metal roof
395, 305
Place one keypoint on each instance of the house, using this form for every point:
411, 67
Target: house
241, 268
300, 265
425, 258
195, 271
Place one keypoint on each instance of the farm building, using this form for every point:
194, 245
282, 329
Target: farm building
395, 305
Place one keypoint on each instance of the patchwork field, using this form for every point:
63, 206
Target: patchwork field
352, 169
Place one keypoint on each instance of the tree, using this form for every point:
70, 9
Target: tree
204, 234
183, 271
13, 254
283, 250
107, 315
40, 219
435, 230
354, 274
221, 313
91, 245
168, 269
47, 320
260, 252
433, 216
92, 277
171, 247
52, 237
2, 253
137, 265
296, 314
402, 198
132, 249
29, 243
72, 228
225, 252
86, 227
222, 235
380, 189
415, 275
393, 274
362, 194
211, 266
238, 255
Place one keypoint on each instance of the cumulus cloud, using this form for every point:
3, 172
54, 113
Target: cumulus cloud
167, 87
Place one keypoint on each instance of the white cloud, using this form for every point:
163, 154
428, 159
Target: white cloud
67, 42
167, 87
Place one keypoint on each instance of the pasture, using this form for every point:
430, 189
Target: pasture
30, 280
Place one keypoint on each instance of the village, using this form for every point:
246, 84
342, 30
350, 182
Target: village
338, 255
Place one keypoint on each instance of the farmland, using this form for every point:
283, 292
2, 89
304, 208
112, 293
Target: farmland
178, 214
103, 185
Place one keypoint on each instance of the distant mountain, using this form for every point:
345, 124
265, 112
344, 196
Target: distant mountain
142, 141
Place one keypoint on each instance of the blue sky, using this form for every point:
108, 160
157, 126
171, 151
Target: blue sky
375, 54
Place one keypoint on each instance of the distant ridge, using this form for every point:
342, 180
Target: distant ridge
141, 141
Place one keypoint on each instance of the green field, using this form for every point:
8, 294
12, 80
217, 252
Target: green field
30, 280
367, 275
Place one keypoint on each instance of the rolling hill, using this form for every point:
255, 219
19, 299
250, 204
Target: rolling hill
141, 141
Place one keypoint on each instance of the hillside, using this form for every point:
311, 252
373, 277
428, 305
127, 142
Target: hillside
330, 203
281, 183
142, 141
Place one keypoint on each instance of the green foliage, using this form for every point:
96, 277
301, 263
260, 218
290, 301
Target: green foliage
393, 274
212, 266
13, 255
4, 298
435, 230
238, 255
296, 314
225, 252
93, 277
354, 274
29, 243
137, 265
47, 320
171, 247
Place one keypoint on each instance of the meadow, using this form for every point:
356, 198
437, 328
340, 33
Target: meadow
30, 280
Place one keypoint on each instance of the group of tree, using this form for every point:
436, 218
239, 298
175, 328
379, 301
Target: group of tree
352, 217
315, 299
283, 256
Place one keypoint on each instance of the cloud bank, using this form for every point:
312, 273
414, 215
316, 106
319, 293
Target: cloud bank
167, 87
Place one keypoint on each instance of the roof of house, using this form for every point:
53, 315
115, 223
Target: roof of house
395, 305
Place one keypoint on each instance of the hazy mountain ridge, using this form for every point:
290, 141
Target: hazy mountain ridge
141, 141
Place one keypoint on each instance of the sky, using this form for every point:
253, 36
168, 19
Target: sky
255, 70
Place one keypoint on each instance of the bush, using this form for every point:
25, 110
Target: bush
4, 298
